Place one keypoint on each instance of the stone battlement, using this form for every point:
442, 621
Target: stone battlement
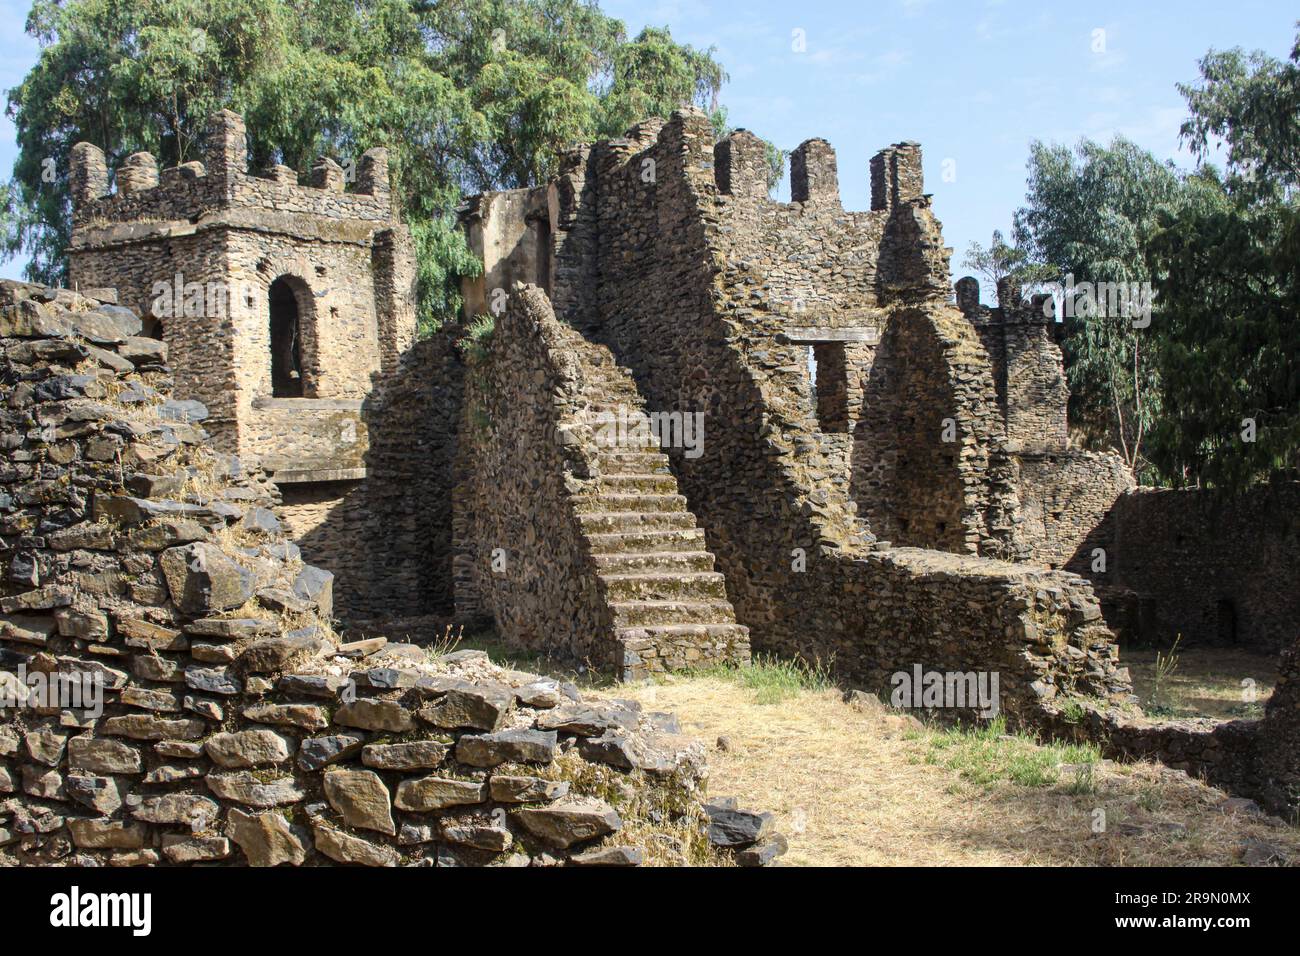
199, 192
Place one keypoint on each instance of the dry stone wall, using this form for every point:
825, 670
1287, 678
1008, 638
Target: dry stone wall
388, 539
171, 691
1063, 497
694, 297
573, 537
1210, 569
1061, 493
930, 465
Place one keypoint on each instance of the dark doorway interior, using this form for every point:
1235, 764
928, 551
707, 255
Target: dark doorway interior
1226, 615
831, 382
286, 342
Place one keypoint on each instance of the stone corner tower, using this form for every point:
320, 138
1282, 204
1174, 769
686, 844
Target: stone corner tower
283, 305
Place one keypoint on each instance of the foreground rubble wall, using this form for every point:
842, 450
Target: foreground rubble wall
171, 691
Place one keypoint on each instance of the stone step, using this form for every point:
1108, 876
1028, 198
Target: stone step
672, 561
632, 483
665, 586
644, 542
652, 613
599, 522
615, 502
618, 405
692, 635
619, 461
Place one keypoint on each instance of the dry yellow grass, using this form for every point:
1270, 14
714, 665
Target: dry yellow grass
1205, 682
851, 786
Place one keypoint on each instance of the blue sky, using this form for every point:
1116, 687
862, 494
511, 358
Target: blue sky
974, 81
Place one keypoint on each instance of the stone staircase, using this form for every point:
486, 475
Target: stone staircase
668, 604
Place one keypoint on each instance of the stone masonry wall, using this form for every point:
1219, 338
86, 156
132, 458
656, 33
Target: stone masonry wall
1190, 563
543, 592
1062, 493
203, 348
929, 464
203, 711
1063, 497
388, 538
692, 306
558, 534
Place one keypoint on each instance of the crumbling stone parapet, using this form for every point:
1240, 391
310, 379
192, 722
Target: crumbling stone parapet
740, 165
813, 173
88, 175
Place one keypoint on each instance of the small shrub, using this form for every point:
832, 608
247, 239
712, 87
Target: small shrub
478, 335
1166, 664
1073, 712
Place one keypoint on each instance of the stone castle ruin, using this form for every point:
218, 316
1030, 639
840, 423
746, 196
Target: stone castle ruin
700, 424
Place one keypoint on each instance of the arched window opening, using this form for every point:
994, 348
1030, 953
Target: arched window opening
286, 341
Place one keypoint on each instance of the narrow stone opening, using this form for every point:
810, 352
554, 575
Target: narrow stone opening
542, 226
830, 372
286, 341
1226, 621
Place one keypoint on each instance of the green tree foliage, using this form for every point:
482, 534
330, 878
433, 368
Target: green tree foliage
1229, 268
1001, 261
1209, 393
467, 95
1087, 215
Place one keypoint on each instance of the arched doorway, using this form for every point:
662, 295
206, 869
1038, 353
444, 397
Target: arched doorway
286, 340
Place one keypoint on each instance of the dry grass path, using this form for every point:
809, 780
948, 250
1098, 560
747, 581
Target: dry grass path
860, 785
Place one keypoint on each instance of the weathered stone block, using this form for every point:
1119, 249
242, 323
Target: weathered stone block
361, 798
247, 748
416, 755
375, 715
564, 824
438, 793
266, 838
519, 746
202, 579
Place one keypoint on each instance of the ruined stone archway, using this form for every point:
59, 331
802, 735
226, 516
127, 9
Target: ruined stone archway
291, 315
907, 444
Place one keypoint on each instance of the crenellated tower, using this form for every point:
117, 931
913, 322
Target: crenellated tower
283, 304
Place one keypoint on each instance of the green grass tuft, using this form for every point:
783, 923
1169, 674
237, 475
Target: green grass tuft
988, 754
774, 679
